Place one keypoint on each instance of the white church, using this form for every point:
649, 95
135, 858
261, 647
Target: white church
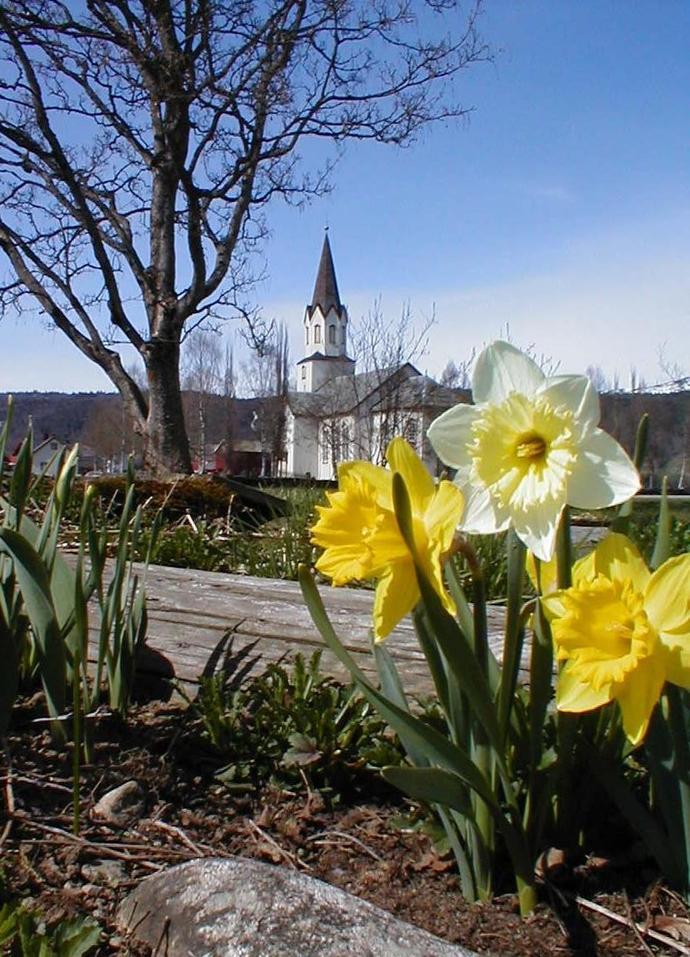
336, 413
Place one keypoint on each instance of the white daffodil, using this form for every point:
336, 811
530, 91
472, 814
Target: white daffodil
529, 446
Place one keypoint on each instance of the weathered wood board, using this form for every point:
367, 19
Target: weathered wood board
190, 611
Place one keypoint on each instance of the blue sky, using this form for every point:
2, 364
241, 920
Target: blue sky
562, 208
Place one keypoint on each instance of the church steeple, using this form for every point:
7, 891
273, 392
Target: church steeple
325, 329
326, 295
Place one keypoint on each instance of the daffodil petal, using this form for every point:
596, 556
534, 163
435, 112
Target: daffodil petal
536, 526
481, 515
553, 605
667, 599
677, 659
451, 434
403, 459
618, 559
602, 474
583, 569
443, 515
577, 394
396, 595
547, 579
380, 479
575, 695
344, 563
638, 696
502, 369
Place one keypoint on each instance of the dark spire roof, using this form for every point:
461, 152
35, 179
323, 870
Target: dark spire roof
326, 287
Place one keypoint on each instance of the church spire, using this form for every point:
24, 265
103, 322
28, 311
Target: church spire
326, 294
325, 330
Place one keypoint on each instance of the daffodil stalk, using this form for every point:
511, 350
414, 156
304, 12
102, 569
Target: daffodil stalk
397, 526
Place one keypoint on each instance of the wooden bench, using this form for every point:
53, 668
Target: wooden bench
190, 611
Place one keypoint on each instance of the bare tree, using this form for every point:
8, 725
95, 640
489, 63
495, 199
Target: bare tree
229, 385
597, 377
109, 432
676, 376
458, 376
140, 141
383, 347
202, 375
265, 376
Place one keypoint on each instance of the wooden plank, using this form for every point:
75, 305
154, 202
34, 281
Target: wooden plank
190, 611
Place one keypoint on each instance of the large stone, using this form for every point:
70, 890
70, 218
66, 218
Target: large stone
121, 806
235, 907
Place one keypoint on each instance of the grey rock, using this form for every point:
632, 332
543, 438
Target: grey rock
120, 806
235, 907
111, 873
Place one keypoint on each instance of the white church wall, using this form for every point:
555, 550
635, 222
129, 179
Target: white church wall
303, 447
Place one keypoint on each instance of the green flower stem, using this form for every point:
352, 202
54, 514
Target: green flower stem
76, 739
481, 641
541, 677
564, 551
566, 724
527, 896
514, 630
482, 752
678, 718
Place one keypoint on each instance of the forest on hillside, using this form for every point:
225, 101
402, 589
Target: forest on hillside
97, 420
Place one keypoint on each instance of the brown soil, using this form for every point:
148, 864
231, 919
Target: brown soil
359, 848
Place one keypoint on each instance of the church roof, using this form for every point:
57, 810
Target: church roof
405, 385
320, 355
326, 295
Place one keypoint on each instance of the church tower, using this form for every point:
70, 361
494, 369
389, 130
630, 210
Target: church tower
325, 330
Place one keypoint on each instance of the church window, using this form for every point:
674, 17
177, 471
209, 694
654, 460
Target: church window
304, 372
324, 444
331, 335
317, 333
307, 333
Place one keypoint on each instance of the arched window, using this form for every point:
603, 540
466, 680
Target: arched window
304, 372
331, 335
307, 334
317, 333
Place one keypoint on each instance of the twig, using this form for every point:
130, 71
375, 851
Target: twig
39, 782
293, 860
177, 832
346, 837
110, 849
619, 919
636, 930
9, 794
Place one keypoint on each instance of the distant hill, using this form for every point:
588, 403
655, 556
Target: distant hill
95, 419
63, 414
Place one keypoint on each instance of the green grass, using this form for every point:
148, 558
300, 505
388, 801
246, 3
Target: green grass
293, 727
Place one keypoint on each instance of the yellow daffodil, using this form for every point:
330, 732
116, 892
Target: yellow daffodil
622, 632
529, 446
361, 539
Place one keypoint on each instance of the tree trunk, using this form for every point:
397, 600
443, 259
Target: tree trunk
166, 448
